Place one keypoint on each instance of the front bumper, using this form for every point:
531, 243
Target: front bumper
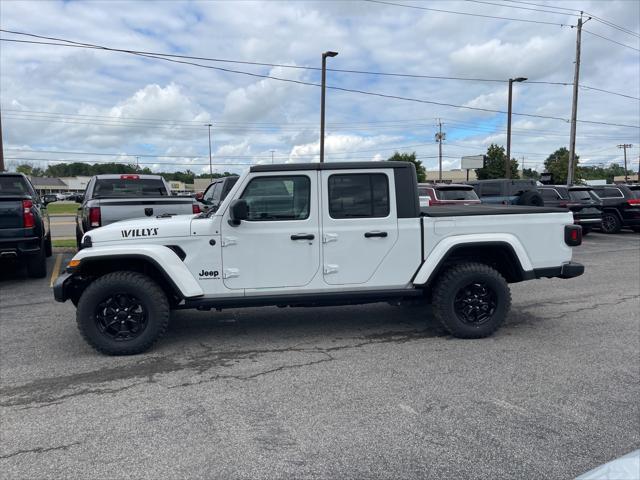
566, 270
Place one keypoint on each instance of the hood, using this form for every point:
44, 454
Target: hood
142, 229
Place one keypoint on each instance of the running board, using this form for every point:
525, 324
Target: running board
302, 299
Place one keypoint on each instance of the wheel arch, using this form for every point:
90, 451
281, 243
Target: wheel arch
506, 257
160, 263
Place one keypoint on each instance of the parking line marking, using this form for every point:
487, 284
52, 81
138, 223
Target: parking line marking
56, 269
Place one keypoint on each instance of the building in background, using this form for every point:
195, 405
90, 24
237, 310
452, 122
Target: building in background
630, 179
451, 176
76, 184
48, 185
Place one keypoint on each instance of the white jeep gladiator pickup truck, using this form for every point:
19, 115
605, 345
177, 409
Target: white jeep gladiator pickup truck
310, 235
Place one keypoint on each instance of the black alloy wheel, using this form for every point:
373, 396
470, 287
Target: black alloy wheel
475, 304
121, 317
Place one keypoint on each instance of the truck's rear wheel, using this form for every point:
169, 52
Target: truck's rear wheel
122, 313
471, 300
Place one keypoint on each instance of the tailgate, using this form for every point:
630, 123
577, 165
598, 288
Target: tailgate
124, 209
10, 213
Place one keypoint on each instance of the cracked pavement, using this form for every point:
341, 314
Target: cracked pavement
371, 391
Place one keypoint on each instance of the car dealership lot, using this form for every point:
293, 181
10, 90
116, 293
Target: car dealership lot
367, 391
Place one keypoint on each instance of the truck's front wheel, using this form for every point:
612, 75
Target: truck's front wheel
471, 300
122, 313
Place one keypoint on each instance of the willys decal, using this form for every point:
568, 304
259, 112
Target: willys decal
140, 232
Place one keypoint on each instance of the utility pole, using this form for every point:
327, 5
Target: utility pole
574, 106
507, 165
440, 136
523, 166
624, 146
1, 147
272, 156
137, 166
210, 161
322, 95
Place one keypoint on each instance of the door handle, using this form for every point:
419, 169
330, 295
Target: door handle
303, 236
375, 234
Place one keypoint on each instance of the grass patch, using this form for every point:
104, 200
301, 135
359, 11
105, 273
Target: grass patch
70, 242
63, 208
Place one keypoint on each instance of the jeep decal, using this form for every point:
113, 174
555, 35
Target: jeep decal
140, 232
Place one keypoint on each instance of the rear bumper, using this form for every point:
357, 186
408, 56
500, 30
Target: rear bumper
566, 270
19, 246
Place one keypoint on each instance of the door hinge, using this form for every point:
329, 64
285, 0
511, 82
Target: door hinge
329, 237
328, 268
226, 241
231, 273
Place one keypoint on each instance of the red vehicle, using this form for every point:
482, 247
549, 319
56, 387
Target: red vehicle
447, 194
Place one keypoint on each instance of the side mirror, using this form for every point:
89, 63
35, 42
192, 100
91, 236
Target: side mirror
199, 196
238, 211
79, 198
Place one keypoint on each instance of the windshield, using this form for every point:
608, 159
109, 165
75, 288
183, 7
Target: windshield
129, 187
457, 194
579, 195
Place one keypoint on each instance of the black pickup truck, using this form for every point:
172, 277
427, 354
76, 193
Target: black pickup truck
25, 236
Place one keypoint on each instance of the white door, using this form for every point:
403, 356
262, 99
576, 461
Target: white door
279, 244
359, 223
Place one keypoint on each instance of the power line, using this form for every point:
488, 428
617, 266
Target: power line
518, 7
363, 92
170, 58
465, 13
611, 40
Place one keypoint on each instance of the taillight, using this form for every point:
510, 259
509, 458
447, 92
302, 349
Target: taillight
94, 216
27, 215
573, 235
634, 201
195, 208
129, 177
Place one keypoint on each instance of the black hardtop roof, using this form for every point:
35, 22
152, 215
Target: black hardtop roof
288, 167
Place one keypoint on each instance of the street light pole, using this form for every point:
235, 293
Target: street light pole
507, 165
272, 151
322, 95
210, 161
624, 146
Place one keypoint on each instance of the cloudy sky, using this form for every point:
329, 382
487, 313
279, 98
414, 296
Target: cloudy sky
116, 106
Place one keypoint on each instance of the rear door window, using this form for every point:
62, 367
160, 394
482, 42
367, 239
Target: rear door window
358, 195
580, 195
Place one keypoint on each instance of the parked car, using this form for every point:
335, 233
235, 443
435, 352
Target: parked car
25, 235
309, 235
504, 191
50, 197
113, 198
620, 205
217, 191
585, 205
448, 194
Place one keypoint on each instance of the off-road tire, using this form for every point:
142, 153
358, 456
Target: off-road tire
453, 281
48, 248
610, 223
151, 297
531, 198
37, 264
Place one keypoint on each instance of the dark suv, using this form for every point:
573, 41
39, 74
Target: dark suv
621, 206
585, 205
505, 191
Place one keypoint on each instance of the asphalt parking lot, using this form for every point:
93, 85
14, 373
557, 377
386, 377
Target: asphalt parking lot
345, 392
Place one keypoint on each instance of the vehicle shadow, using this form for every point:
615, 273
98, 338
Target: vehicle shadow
267, 325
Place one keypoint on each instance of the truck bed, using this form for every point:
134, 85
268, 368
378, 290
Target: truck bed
474, 210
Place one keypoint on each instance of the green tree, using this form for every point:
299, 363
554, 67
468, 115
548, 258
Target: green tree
530, 173
557, 165
30, 170
494, 164
411, 157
